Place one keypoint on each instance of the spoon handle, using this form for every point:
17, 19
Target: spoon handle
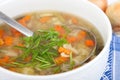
15, 25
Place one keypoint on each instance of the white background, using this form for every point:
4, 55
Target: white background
109, 1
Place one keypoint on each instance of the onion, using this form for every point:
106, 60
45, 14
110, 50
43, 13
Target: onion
102, 4
64, 55
113, 13
69, 46
9, 52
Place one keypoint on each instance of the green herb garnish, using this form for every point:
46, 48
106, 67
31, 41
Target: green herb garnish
42, 46
71, 61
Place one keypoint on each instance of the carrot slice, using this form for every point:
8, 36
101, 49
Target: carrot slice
74, 20
60, 60
62, 49
60, 30
15, 33
66, 51
24, 20
1, 42
5, 59
71, 39
27, 18
1, 62
28, 59
21, 45
12, 69
81, 35
44, 19
8, 40
89, 43
1, 33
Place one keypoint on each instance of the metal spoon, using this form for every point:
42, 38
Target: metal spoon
15, 25
92, 36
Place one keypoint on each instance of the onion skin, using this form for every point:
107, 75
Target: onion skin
113, 13
102, 4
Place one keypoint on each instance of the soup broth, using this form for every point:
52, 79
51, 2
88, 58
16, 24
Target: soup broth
56, 46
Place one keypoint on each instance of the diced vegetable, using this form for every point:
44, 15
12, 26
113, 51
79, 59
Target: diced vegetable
4, 60
71, 39
66, 51
2, 32
27, 59
1, 42
60, 60
24, 20
89, 43
8, 40
64, 54
74, 20
27, 18
45, 19
61, 30
12, 69
21, 45
81, 35
15, 33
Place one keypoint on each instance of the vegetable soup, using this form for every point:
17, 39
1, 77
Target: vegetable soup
56, 46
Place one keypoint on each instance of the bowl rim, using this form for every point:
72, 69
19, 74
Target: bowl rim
77, 69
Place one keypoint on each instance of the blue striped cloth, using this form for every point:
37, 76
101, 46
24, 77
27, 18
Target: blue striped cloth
112, 71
